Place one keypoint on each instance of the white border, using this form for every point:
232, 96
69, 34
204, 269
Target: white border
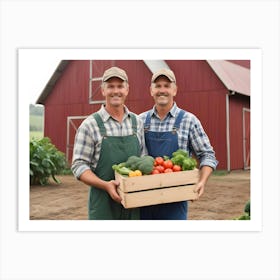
255, 224
132, 255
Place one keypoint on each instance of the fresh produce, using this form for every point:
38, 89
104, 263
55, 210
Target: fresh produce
159, 168
167, 164
132, 162
189, 164
180, 161
121, 169
168, 170
145, 164
162, 165
181, 158
135, 166
177, 168
180, 152
158, 161
135, 173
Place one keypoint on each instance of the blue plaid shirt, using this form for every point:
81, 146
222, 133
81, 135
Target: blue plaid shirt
88, 139
191, 135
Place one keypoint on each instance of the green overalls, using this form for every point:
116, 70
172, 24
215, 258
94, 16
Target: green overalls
114, 150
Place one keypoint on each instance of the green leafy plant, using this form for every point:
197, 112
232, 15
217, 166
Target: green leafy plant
45, 161
247, 212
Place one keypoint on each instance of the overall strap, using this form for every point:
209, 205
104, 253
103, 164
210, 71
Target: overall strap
147, 123
134, 123
103, 129
178, 120
100, 124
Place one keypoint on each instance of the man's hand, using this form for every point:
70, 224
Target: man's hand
111, 188
89, 178
199, 189
205, 173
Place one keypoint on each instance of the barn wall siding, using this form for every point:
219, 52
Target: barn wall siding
195, 76
72, 87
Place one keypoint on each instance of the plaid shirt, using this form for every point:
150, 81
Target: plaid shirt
88, 139
191, 135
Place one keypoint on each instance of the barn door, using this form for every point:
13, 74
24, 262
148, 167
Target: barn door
73, 122
246, 138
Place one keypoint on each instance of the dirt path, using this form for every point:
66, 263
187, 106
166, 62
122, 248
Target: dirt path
224, 199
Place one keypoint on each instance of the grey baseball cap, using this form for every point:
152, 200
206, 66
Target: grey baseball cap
114, 72
164, 72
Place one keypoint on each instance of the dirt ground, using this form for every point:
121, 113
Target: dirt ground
224, 199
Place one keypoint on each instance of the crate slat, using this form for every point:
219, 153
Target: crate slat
131, 184
157, 196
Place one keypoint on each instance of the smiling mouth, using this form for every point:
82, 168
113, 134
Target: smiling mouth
162, 95
116, 96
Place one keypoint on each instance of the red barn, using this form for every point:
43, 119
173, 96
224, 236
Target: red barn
216, 91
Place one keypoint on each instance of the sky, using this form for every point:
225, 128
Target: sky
35, 72
41, 71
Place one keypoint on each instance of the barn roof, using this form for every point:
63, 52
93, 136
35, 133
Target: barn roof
155, 65
235, 77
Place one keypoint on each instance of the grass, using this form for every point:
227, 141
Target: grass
36, 121
36, 134
220, 172
36, 127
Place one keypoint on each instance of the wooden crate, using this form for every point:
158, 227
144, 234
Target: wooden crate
157, 189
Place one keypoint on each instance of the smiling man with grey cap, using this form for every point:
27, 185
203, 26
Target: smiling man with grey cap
167, 129
105, 138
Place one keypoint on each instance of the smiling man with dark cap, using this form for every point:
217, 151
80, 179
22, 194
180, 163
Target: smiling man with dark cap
105, 138
168, 128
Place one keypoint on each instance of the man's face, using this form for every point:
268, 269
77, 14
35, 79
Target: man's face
163, 91
115, 91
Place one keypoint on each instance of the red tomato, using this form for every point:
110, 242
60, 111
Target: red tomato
160, 168
155, 171
176, 168
159, 160
168, 170
167, 164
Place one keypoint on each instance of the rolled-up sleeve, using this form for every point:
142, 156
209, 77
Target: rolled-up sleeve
83, 151
201, 145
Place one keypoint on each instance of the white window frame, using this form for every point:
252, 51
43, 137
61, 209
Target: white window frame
70, 123
244, 138
91, 80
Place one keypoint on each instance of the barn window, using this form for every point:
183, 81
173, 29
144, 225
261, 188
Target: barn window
97, 68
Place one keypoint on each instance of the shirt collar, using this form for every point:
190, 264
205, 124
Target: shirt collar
171, 113
105, 116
